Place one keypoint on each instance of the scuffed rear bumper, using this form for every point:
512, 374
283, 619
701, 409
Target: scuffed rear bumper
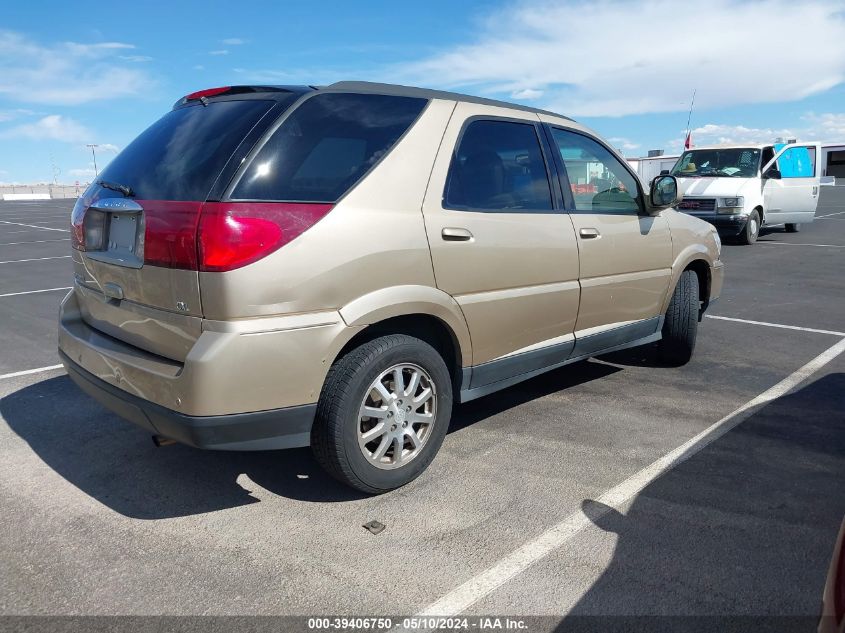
280, 428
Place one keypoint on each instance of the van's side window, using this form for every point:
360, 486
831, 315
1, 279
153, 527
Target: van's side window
598, 180
498, 166
326, 146
798, 162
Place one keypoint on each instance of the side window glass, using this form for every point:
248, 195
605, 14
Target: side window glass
326, 146
798, 162
498, 166
598, 180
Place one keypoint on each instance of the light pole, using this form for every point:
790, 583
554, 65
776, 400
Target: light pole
94, 154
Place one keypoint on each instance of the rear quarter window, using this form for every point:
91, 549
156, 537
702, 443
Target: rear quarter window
326, 146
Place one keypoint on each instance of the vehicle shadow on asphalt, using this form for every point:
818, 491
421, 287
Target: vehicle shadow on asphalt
745, 526
116, 463
543, 385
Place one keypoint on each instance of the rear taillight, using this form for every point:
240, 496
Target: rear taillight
232, 235
170, 235
214, 237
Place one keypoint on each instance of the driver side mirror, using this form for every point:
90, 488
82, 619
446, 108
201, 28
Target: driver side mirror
663, 194
773, 173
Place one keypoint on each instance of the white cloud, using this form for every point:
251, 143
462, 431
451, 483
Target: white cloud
138, 59
717, 134
826, 127
527, 94
233, 41
613, 57
53, 127
220, 52
9, 115
108, 147
829, 126
199, 67
623, 143
67, 73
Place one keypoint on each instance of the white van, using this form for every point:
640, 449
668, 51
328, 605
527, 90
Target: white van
740, 189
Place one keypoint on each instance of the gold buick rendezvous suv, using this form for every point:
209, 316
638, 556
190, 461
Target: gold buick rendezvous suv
274, 267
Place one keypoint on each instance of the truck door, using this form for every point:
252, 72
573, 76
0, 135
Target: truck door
625, 255
499, 243
791, 185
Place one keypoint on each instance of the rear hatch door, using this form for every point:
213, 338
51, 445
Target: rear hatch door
134, 230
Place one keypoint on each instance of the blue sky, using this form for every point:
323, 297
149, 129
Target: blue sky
89, 72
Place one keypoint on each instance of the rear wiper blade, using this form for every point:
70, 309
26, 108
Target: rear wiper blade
114, 186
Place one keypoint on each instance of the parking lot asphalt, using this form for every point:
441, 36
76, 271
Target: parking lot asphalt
96, 520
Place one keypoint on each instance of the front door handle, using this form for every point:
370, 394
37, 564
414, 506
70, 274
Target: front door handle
589, 233
451, 234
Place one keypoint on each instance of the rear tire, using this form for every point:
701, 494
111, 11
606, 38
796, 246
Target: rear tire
404, 444
680, 324
792, 228
752, 229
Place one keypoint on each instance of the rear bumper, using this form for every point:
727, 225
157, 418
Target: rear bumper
289, 427
233, 367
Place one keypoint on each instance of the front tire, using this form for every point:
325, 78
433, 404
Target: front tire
752, 229
680, 324
792, 228
383, 413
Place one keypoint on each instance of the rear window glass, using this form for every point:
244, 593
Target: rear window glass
326, 146
180, 156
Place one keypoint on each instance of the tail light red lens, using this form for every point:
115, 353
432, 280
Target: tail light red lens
208, 92
232, 235
170, 233
215, 236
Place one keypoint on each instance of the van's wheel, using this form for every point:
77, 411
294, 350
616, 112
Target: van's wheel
383, 413
793, 228
752, 228
680, 324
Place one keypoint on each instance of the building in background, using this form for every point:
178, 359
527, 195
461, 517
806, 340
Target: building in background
648, 167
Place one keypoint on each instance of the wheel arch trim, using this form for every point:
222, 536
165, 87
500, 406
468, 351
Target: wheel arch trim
684, 261
398, 301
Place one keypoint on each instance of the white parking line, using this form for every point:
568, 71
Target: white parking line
830, 214
778, 325
802, 244
507, 568
30, 371
32, 226
34, 259
32, 292
61, 239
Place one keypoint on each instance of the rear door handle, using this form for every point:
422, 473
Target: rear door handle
589, 233
450, 234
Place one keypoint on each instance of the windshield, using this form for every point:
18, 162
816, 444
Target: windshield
721, 163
